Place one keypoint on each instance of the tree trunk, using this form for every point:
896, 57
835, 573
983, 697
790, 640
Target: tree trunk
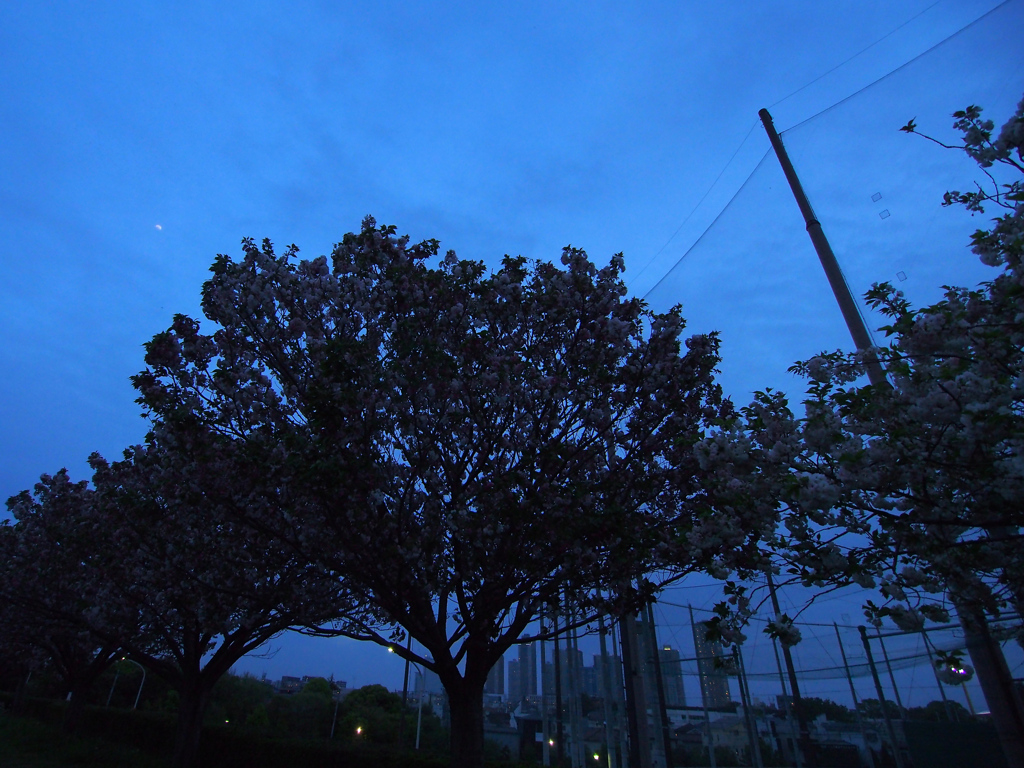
79, 681
996, 683
195, 695
466, 703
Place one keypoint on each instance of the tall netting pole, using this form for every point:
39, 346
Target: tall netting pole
896, 754
853, 694
852, 316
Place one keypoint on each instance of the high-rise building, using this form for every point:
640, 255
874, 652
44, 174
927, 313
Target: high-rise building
496, 678
514, 688
594, 681
522, 673
672, 677
570, 670
431, 682
527, 670
714, 680
667, 661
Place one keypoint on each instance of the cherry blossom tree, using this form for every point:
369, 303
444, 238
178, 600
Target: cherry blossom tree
464, 448
208, 589
153, 564
915, 487
46, 593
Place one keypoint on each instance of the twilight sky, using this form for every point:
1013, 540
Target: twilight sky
138, 141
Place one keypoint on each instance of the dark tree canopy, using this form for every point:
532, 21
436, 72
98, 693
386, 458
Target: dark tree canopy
152, 561
48, 601
463, 447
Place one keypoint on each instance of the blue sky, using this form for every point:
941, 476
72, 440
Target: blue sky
138, 141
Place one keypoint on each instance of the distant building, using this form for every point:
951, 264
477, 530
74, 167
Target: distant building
714, 680
289, 684
528, 669
431, 682
514, 686
570, 670
496, 678
594, 676
522, 673
672, 677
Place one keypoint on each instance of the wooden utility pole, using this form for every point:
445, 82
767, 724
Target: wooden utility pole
853, 694
987, 656
847, 305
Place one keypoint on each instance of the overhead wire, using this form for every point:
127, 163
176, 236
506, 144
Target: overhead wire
754, 125
712, 224
697, 206
793, 127
854, 56
902, 66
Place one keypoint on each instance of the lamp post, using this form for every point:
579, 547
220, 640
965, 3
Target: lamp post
405, 692
117, 673
142, 683
334, 720
419, 705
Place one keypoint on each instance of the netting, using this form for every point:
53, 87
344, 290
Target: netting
904, 662
753, 274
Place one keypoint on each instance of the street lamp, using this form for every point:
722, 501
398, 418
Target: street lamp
334, 720
117, 673
419, 705
142, 683
419, 700
405, 690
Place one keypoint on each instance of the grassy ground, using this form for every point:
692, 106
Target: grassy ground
31, 744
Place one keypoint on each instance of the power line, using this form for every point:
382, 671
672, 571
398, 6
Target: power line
754, 125
797, 125
902, 66
699, 202
712, 224
858, 53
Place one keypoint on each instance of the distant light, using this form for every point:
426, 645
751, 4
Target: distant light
359, 730
597, 756
158, 226
551, 742
390, 649
884, 214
